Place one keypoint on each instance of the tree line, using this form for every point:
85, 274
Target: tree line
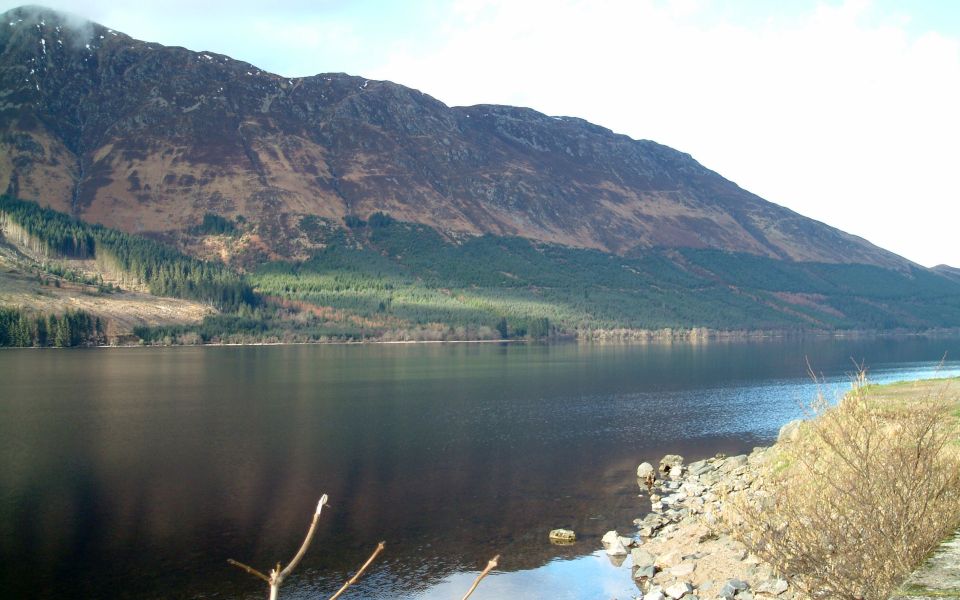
164, 270
22, 329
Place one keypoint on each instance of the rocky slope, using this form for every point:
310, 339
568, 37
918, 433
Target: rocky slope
148, 138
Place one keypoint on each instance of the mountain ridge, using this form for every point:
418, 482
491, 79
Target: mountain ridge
149, 139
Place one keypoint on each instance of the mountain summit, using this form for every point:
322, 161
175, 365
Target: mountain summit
149, 138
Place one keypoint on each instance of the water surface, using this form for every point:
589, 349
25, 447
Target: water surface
135, 473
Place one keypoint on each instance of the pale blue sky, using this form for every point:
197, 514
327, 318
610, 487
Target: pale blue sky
843, 110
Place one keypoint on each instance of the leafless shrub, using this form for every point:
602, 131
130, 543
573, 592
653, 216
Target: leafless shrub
861, 496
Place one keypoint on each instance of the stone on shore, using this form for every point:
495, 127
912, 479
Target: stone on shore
645, 470
642, 558
733, 588
671, 463
774, 587
654, 594
684, 569
701, 467
613, 544
679, 590
790, 432
646, 572
731, 463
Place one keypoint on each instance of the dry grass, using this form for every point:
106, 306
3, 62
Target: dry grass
866, 490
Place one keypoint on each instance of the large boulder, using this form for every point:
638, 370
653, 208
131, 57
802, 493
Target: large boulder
671, 464
790, 432
645, 470
613, 544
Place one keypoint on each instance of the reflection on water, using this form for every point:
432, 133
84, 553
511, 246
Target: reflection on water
589, 576
136, 473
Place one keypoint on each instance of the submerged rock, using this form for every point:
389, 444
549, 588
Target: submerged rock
563, 536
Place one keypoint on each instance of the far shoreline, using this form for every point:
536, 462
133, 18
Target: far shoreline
642, 338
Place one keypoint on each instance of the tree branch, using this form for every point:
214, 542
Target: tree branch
491, 565
276, 575
306, 542
354, 579
248, 569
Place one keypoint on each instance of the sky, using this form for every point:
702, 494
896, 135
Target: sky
846, 111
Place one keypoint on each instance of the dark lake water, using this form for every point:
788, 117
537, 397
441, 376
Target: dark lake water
135, 473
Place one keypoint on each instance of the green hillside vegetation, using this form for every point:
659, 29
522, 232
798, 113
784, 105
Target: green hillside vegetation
383, 279
165, 271
214, 225
412, 274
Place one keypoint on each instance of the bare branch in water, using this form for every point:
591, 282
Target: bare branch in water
354, 579
490, 566
306, 542
277, 575
248, 569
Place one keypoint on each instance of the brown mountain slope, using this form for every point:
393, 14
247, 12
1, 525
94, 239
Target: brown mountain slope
148, 138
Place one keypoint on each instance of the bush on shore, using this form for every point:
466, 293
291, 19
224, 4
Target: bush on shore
862, 493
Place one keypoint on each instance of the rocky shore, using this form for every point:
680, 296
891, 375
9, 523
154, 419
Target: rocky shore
854, 500
687, 547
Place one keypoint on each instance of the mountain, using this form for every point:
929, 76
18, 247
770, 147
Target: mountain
947, 271
336, 207
150, 139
